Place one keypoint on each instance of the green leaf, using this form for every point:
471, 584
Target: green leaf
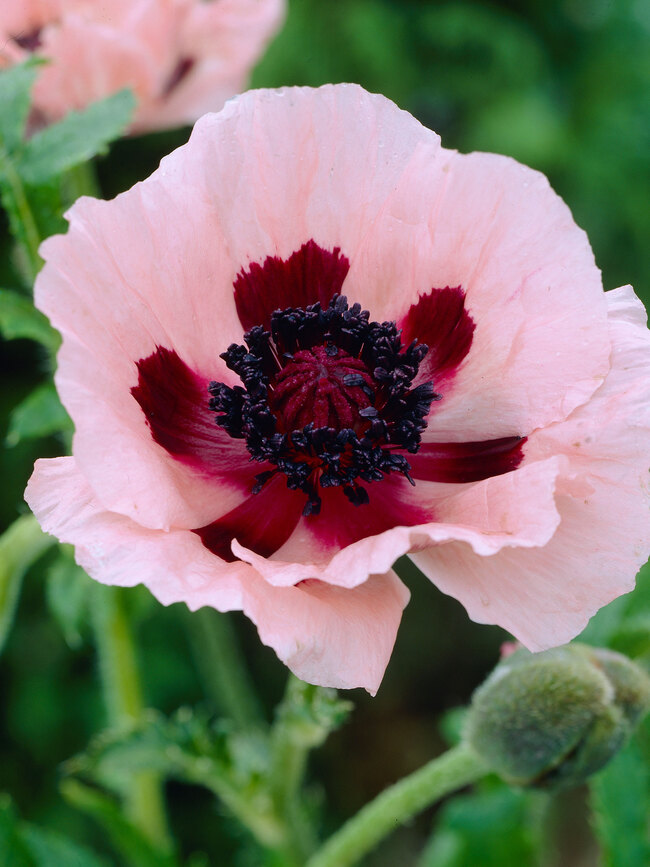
492, 828
80, 136
15, 97
40, 414
67, 591
20, 319
190, 748
13, 850
50, 849
20, 546
620, 801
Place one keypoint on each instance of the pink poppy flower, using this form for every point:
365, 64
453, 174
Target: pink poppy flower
314, 341
180, 57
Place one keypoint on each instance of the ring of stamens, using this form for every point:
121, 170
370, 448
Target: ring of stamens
326, 398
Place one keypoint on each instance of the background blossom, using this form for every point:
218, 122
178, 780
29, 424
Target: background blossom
180, 57
552, 359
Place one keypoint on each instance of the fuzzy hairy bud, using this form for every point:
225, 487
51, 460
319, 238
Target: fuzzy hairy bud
552, 719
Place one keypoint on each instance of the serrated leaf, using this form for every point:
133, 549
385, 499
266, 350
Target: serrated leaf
40, 414
183, 746
188, 747
311, 713
20, 319
50, 849
15, 97
620, 801
80, 136
20, 546
67, 591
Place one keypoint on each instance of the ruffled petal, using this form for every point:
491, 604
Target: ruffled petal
326, 635
545, 596
113, 549
513, 510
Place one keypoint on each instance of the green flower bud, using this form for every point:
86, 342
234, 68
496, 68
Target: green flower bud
554, 718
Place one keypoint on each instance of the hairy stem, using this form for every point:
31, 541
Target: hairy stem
144, 805
454, 769
290, 750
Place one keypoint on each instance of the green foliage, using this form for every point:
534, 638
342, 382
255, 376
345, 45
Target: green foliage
20, 319
125, 837
495, 827
38, 415
67, 591
26, 845
15, 95
20, 546
77, 138
624, 624
620, 800
31, 166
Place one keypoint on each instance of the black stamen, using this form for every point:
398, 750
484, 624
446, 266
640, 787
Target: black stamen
337, 366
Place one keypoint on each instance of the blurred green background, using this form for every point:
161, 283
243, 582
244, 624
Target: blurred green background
562, 86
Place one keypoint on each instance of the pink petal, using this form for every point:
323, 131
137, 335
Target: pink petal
174, 565
514, 510
327, 635
96, 49
545, 596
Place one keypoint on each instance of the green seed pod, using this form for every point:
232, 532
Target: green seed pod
554, 718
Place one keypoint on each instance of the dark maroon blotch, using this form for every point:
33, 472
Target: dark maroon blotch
174, 400
440, 320
309, 275
467, 462
262, 523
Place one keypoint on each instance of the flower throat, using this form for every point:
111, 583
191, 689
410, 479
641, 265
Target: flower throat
327, 398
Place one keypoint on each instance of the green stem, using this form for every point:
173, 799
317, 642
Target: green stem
222, 668
456, 768
144, 805
20, 545
289, 752
21, 219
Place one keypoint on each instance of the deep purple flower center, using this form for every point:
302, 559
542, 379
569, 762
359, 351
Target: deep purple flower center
327, 397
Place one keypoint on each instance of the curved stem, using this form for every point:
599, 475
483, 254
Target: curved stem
120, 679
456, 768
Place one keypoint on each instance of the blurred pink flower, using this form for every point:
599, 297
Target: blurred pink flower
182, 58
286, 478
